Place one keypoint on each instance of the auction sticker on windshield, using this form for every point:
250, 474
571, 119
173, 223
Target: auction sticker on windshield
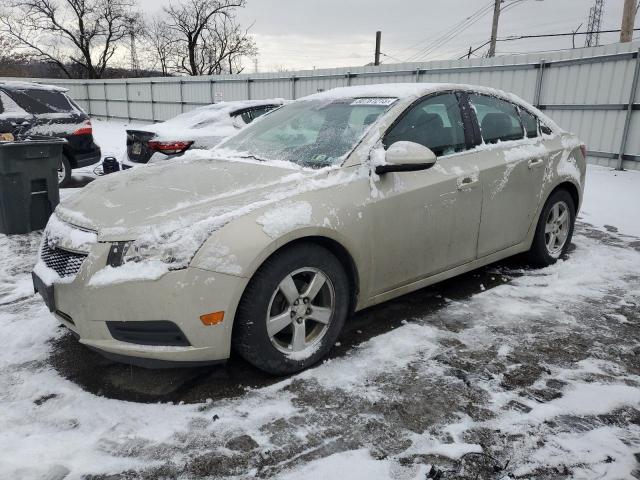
373, 101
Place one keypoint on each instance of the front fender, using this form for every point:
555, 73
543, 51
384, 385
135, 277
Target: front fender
243, 245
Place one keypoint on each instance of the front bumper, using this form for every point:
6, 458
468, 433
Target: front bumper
180, 297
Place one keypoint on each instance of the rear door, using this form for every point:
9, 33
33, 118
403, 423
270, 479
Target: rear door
512, 163
427, 222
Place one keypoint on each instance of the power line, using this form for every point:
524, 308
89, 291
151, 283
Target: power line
543, 35
432, 37
451, 33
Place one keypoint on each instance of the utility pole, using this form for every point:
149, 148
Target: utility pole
378, 42
628, 19
494, 29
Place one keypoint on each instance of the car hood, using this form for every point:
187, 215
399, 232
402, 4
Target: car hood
179, 194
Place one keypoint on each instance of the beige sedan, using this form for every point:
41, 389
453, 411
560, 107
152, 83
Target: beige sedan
325, 206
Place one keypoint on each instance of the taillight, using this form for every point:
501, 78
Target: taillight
85, 129
583, 149
169, 148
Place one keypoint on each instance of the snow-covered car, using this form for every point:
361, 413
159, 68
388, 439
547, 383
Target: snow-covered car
32, 109
203, 127
330, 204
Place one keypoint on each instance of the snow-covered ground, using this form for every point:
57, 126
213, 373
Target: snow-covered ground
504, 373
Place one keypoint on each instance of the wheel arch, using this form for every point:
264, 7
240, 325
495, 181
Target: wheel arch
569, 187
336, 247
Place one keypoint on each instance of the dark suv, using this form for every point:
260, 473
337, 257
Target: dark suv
31, 109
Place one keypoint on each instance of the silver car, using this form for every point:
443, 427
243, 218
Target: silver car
330, 204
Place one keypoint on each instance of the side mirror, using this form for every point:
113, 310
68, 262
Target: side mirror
407, 157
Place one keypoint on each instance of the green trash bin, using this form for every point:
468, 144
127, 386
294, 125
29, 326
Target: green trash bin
28, 183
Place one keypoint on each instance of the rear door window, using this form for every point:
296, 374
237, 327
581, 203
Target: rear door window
498, 119
37, 101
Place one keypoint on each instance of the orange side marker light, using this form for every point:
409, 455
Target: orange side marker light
212, 318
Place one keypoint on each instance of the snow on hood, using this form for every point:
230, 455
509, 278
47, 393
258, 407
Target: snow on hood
208, 120
169, 209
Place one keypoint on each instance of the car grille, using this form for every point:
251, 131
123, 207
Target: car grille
63, 262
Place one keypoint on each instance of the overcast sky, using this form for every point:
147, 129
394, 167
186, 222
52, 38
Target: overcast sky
300, 34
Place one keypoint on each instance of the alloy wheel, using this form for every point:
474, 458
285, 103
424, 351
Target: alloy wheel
300, 310
556, 229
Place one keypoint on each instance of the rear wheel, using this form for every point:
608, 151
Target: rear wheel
554, 229
292, 310
64, 172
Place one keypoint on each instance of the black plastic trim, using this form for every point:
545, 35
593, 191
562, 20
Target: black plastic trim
152, 332
382, 169
153, 363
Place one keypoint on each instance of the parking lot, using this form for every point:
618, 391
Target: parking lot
505, 372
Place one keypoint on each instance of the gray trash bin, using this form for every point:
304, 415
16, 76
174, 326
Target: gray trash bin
28, 183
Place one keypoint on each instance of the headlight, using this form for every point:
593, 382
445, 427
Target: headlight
137, 252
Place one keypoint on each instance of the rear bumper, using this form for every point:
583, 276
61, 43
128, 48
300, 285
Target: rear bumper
80, 160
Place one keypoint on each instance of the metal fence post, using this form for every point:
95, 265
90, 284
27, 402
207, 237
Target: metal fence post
627, 120
348, 79
417, 75
153, 110
106, 100
293, 87
88, 96
126, 97
181, 98
211, 93
248, 88
539, 79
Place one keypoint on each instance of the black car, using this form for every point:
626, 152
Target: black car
31, 109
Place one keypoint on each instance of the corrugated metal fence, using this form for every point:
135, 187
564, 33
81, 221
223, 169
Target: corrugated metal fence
593, 92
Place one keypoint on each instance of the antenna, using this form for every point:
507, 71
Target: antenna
594, 24
135, 66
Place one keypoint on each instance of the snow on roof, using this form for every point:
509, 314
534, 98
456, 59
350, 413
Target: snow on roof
11, 85
415, 90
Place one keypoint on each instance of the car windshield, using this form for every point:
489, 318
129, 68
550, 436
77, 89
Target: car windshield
310, 133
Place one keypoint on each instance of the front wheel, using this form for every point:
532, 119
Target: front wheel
292, 310
554, 229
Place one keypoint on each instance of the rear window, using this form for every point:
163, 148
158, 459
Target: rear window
42, 101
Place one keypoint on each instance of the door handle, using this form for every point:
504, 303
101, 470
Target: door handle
535, 162
466, 183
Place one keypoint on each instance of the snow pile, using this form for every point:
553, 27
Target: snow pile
285, 218
611, 200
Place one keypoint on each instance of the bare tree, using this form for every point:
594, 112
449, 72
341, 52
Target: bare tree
71, 34
162, 46
207, 38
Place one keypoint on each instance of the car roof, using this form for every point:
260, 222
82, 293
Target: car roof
402, 91
15, 85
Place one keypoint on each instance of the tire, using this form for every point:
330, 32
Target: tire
64, 173
549, 246
294, 340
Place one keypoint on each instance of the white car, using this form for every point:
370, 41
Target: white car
330, 204
203, 127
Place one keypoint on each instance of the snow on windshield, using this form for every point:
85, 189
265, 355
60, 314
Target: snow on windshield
311, 133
